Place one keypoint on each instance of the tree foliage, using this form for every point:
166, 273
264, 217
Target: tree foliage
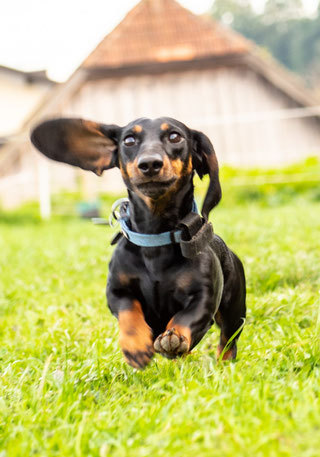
282, 28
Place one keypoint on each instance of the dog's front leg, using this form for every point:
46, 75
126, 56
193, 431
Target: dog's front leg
135, 336
187, 327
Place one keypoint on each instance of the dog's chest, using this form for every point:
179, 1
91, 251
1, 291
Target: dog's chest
159, 263
159, 285
159, 301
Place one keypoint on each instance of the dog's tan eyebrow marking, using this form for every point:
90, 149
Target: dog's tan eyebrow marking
164, 126
137, 128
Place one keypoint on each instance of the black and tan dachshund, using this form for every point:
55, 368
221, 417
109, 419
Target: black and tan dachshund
164, 301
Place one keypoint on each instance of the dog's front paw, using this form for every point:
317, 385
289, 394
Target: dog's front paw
139, 359
171, 344
137, 347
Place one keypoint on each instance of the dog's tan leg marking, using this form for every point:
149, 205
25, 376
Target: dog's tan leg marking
230, 354
135, 336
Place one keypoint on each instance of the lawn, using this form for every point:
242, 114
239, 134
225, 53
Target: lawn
66, 391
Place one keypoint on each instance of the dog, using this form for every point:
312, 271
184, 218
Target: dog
165, 296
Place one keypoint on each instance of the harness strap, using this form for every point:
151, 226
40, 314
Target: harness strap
193, 233
199, 241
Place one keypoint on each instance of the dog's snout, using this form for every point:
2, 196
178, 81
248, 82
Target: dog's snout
150, 164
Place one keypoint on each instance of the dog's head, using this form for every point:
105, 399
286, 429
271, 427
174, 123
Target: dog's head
155, 156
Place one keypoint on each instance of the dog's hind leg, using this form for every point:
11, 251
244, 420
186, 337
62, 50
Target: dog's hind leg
231, 314
228, 337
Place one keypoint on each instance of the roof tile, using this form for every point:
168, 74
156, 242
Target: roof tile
164, 31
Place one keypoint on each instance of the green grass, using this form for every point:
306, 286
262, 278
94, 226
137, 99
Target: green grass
66, 391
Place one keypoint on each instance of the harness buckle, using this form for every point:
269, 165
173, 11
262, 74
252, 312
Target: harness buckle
124, 233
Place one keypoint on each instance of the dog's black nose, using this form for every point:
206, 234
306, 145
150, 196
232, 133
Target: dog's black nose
150, 164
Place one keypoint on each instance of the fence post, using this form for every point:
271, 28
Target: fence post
44, 188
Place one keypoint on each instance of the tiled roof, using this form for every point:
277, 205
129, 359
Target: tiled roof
163, 31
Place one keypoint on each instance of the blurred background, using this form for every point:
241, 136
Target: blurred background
247, 73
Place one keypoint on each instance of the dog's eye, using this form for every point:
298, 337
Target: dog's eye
175, 137
129, 140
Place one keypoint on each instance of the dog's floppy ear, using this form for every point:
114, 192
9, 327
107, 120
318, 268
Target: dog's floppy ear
78, 142
205, 162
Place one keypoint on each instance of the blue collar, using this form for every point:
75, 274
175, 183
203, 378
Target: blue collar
149, 240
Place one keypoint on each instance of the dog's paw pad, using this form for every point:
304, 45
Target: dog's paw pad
171, 344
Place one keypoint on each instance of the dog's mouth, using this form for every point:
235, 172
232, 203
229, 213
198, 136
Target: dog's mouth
155, 189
